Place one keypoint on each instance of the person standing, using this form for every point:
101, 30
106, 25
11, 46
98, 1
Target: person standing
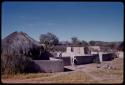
60, 55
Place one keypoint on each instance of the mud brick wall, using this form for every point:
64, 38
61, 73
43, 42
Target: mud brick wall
66, 60
84, 59
96, 58
48, 66
107, 57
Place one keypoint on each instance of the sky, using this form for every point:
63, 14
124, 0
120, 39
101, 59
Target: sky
99, 21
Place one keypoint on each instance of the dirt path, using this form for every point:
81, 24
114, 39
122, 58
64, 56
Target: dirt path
87, 69
102, 74
88, 72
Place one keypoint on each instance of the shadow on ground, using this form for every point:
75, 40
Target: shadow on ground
66, 70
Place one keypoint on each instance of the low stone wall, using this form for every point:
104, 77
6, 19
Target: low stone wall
96, 58
66, 60
93, 58
47, 66
107, 57
84, 59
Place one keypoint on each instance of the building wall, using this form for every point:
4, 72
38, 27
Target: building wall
77, 51
92, 52
82, 51
94, 48
120, 54
68, 49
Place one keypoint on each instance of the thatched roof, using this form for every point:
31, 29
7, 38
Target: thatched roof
20, 43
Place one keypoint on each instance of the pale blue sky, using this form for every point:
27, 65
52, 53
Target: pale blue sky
85, 20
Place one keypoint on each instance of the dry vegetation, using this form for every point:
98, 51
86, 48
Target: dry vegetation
114, 75
93, 75
68, 77
26, 75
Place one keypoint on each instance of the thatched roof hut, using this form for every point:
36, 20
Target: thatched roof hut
19, 43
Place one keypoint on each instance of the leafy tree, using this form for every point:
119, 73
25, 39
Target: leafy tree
67, 43
92, 43
75, 41
84, 43
113, 46
120, 47
86, 50
49, 40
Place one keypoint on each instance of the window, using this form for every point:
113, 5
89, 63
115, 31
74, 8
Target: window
71, 49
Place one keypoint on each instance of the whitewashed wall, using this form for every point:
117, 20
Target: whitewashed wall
77, 51
121, 54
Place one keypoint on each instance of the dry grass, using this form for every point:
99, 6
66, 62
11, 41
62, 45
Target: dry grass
27, 75
111, 75
70, 77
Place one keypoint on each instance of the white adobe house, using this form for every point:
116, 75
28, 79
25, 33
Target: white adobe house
120, 54
72, 51
78, 51
75, 52
94, 49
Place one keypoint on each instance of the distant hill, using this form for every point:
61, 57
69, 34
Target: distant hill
103, 43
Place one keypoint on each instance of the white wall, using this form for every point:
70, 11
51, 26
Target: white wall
77, 51
121, 54
94, 52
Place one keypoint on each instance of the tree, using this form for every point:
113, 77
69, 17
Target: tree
92, 43
113, 46
66, 43
75, 41
120, 47
86, 50
84, 43
49, 40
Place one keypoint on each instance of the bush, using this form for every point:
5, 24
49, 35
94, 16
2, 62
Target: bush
12, 64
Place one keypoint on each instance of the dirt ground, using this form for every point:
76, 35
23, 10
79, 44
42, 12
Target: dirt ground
106, 72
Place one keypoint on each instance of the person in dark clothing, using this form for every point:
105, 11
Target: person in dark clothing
60, 55
75, 61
